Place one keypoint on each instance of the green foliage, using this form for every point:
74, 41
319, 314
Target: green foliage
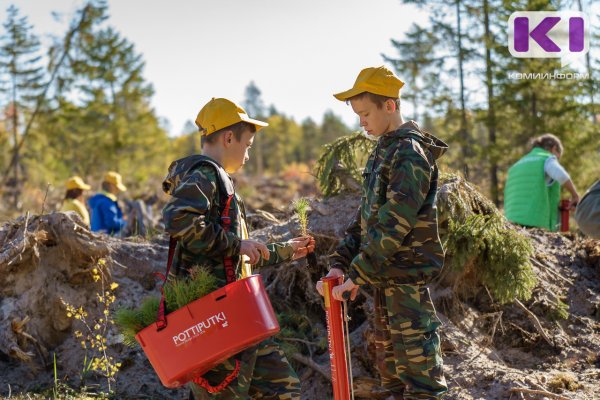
296, 332
147, 311
488, 118
559, 311
342, 161
129, 324
480, 243
97, 114
285, 141
497, 254
301, 209
178, 293
21, 80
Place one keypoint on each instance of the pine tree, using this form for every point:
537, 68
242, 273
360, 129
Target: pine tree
23, 82
254, 106
311, 140
100, 116
436, 59
332, 128
416, 63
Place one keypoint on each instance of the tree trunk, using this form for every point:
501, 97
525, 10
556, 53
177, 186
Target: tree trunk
491, 117
15, 128
463, 134
117, 137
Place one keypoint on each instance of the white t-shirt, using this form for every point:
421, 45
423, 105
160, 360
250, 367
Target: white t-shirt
555, 172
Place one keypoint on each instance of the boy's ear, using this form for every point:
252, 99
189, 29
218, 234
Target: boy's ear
390, 105
227, 138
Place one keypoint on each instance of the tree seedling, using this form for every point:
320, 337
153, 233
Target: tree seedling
301, 208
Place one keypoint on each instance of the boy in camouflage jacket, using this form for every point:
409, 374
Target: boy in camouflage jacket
193, 218
392, 242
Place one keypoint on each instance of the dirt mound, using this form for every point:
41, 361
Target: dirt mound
47, 261
548, 344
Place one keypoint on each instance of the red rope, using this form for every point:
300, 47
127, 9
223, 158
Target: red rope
227, 261
215, 389
161, 320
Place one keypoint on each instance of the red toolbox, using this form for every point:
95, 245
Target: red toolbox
209, 330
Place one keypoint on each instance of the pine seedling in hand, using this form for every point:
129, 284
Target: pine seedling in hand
301, 209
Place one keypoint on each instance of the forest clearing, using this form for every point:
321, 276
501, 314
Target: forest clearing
98, 187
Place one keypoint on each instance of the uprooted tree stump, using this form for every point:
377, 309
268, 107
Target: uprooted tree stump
43, 259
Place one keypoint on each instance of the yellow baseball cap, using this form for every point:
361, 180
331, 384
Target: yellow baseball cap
75, 182
116, 179
221, 113
376, 80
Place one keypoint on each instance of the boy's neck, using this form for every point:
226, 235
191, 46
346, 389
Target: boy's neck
213, 153
397, 122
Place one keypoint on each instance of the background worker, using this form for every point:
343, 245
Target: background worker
74, 198
532, 191
106, 214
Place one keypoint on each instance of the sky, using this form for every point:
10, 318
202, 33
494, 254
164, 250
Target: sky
298, 53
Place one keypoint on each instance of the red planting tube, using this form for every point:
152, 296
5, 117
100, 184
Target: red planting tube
336, 340
565, 207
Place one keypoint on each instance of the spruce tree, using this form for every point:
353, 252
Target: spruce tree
254, 106
21, 82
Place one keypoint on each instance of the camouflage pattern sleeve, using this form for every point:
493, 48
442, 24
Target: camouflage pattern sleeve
409, 183
187, 218
349, 247
279, 252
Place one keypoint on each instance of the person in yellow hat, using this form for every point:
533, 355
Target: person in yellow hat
74, 198
208, 220
107, 216
393, 243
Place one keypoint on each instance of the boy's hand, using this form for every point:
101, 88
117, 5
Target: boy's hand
332, 272
302, 246
348, 286
254, 250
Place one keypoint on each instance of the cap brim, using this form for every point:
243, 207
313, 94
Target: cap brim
85, 187
258, 124
121, 187
348, 94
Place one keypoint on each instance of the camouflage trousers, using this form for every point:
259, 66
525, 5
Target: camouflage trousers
265, 373
407, 343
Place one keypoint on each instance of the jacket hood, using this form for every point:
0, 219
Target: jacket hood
411, 130
179, 169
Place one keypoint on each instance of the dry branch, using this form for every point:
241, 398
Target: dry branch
540, 392
312, 364
536, 322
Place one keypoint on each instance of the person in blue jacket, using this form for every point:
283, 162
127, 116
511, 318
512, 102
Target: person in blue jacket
106, 215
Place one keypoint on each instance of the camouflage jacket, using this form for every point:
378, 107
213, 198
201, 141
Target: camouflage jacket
393, 238
193, 217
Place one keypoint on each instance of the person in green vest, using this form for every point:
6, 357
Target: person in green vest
532, 191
